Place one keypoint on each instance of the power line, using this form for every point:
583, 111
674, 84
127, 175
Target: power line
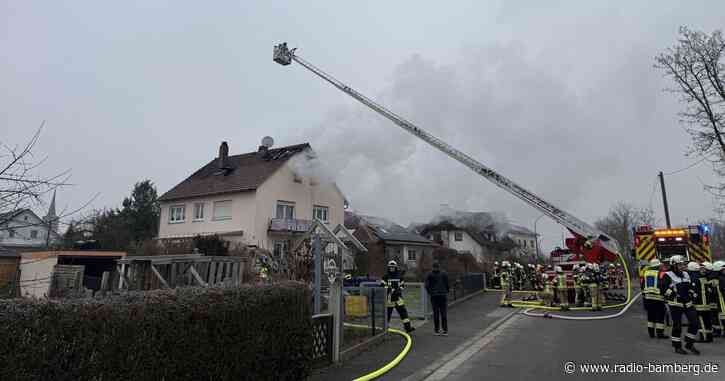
686, 168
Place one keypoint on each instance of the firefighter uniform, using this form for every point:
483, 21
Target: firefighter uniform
562, 289
654, 303
717, 285
678, 291
700, 301
547, 295
579, 284
394, 285
506, 292
594, 288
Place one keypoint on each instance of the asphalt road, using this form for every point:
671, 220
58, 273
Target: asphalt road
526, 348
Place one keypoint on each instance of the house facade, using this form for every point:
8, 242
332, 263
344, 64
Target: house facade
22, 229
480, 234
260, 198
385, 241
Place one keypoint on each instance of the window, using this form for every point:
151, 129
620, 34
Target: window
458, 236
11, 232
285, 210
198, 211
223, 210
281, 248
321, 213
177, 214
33, 234
412, 255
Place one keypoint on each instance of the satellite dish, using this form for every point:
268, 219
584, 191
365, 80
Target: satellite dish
267, 141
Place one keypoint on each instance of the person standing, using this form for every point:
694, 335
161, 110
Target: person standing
562, 289
506, 286
394, 285
654, 302
436, 283
678, 291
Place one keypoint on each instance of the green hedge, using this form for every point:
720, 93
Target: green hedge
248, 333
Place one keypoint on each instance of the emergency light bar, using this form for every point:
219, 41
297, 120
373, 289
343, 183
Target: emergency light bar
671, 232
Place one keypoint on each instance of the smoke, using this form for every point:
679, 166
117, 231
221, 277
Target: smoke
495, 104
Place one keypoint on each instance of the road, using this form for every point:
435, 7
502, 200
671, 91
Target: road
525, 348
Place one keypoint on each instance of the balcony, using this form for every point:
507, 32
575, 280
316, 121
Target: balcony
282, 225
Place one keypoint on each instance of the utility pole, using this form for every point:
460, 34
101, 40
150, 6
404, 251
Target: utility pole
664, 200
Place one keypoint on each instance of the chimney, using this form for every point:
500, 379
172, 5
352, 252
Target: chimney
223, 156
267, 143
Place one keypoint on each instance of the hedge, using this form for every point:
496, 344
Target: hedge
247, 333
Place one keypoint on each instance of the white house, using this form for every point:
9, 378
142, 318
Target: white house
23, 229
479, 233
262, 198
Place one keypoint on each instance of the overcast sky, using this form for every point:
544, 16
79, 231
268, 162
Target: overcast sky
559, 96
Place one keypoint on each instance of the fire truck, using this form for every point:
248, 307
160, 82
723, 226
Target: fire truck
692, 242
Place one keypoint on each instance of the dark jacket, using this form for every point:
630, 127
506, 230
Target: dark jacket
436, 283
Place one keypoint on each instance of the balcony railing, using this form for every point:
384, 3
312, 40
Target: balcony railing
289, 225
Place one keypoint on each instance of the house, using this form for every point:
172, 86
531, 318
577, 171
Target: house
266, 198
22, 229
524, 238
385, 241
481, 234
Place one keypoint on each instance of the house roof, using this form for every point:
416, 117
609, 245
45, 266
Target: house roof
246, 173
518, 229
387, 230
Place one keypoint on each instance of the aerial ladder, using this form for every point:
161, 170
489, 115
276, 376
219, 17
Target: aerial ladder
589, 242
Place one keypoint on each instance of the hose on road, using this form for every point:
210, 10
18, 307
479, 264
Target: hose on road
565, 317
394, 362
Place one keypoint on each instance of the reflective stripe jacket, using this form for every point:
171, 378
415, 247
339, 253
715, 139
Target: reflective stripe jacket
561, 281
394, 284
700, 286
677, 289
650, 285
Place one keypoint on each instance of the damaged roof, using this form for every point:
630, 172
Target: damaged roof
245, 172
387, 230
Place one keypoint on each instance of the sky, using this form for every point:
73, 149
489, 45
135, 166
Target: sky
559, 96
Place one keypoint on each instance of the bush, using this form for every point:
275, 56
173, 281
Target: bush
247, 333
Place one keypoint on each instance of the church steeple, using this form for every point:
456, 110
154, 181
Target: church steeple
51, 218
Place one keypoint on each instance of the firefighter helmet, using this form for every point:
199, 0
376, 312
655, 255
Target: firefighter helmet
588, 244
677, 259
693, 266
392, 264
505, 264
655, 263
558, 269
718, 265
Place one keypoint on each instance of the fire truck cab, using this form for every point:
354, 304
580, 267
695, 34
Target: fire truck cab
692, 241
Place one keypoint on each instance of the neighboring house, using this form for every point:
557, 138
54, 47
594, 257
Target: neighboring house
23, 229
385, 241
524, 238
263, 198
484, 235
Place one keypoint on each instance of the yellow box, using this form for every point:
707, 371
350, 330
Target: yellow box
356, 305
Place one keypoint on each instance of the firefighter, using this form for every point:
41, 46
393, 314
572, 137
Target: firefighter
496, 275
394, 284
562, 289
579, 284
698, 275
678, 291
712, 298
506, 284
547, 295
595, 287
611, 277
654, 303
717, 283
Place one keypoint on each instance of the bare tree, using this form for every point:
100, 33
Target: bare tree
21, 187
620, 221
695, 64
